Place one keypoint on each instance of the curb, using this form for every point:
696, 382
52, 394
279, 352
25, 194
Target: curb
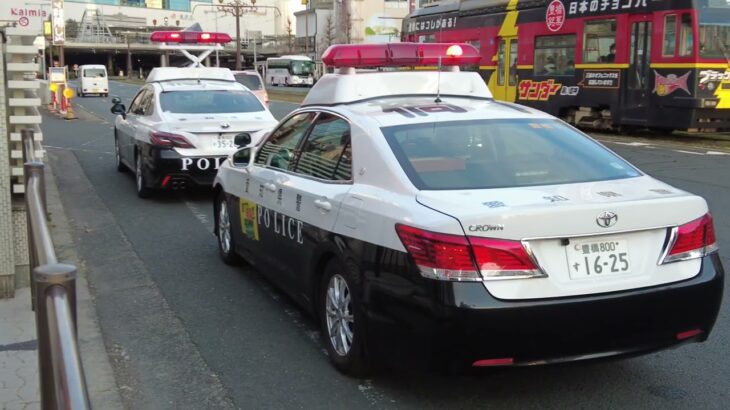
102, 386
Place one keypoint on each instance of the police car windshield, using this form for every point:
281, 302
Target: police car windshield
482, 154
209, 102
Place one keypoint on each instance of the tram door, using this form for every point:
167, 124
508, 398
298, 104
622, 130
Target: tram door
638, 91
506, 84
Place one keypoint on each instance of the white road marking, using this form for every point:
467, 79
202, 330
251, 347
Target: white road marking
688, 152
717, 153
200, 215
78, 149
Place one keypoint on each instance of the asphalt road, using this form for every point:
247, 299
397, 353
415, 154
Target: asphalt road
186, 331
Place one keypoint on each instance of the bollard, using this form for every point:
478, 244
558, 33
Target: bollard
61, 375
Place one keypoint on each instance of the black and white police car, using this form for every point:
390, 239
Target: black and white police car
410, 209
182, 124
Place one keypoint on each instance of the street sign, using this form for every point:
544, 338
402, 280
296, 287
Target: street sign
57, 74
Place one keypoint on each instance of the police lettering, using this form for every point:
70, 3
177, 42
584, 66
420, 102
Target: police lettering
283, 225
202, 164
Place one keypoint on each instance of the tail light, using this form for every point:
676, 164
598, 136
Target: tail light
168, 140
458, 258
692, 240
503, 259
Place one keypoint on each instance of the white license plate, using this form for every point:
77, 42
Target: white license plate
222, 141
598, 258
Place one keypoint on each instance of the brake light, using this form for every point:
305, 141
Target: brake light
189, 37
439, 256
501, 259
168, 140
693, 240
460, 258
400, 55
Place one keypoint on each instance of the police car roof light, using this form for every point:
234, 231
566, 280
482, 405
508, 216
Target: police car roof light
189, 37
400, 55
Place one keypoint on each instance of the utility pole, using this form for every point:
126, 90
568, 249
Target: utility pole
217, 61
126, 34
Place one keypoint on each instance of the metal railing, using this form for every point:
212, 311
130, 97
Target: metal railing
53, 291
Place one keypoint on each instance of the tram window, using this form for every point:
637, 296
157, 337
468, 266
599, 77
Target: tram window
714, 40
555, 55
670, 35
599, 42
685, 35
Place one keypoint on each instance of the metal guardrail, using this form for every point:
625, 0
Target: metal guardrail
53, 290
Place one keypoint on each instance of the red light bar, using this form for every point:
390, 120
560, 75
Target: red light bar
189, 37
506, 361
400, 55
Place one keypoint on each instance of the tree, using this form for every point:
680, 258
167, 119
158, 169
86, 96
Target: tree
348, 28
72, 28
329, 33
289, 36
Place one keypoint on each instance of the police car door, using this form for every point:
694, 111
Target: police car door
260, 221
126, 128
309, 195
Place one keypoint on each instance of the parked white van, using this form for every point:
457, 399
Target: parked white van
93, 80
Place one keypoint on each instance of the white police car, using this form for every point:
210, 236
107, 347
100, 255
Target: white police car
411, 211
182, 124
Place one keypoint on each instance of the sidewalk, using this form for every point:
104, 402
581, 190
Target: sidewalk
19, 387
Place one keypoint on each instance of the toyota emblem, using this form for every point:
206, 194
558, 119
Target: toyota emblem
606, 219
225, 125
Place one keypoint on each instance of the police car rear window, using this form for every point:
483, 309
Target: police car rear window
484, 154
209, 102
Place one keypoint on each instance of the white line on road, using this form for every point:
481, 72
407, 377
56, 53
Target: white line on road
688, 152
200, 215
78, 149
717, 153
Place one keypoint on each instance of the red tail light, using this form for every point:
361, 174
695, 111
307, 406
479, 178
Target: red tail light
456, 257
500, 259
189, 37
438, 255
693, 240
168, 140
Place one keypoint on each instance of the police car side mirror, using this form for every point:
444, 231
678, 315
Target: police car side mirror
243, 157
119, 109
242, 140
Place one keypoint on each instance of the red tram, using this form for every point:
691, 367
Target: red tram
597, 63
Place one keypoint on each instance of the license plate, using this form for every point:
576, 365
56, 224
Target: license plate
222, 141
598, 258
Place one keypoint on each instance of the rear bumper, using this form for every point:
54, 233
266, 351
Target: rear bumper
462, 322
168, 169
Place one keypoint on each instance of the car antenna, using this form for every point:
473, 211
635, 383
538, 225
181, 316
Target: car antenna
438, 84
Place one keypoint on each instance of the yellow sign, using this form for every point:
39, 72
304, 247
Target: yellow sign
53, 87
47, 28
68, 93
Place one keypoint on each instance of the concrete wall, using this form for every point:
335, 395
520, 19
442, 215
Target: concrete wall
7, 252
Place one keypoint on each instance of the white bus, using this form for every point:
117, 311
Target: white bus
290, 71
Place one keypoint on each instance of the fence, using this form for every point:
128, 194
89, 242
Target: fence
53, 290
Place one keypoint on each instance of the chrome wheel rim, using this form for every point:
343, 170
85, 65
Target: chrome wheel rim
139, 173
224, 228
340, 320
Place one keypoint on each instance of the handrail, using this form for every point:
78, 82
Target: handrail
53, 291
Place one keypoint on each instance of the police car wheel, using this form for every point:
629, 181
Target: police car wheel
140, 181
341, 318
226, 241
117, 156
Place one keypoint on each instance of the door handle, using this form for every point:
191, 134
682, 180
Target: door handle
323, 204
270, 186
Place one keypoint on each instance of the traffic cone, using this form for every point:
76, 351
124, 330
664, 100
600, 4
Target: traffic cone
70, 115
